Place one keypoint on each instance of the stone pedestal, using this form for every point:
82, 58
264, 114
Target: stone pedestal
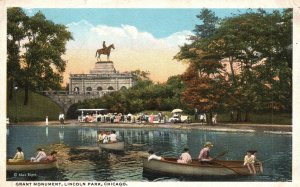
102, 79
103, 67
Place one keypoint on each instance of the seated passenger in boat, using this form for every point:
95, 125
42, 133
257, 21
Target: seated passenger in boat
258, 162
153, 156
185, 157
204, 153
52, 156
40, 156
249, 161
101, 136
106, 138
19, 156
113, 136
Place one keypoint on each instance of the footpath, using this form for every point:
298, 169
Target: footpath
223, 127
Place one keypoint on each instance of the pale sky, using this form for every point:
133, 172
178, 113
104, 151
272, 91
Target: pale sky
145, 39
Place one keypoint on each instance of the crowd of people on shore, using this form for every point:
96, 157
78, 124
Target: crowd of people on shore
204, 157
143, 118
39, 157
124, 118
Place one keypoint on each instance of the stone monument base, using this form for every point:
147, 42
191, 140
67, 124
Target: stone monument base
103, 67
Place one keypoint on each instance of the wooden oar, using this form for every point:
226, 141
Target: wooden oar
219, 155
225, 166
222, 164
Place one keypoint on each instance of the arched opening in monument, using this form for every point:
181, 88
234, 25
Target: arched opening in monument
123, 88
76, 90
99, 88
110, 88
88, 90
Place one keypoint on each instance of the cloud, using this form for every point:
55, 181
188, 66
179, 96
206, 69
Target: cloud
134, 49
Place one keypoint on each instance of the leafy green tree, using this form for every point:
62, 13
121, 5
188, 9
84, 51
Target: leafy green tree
248, 53
41, 64
276, 72
257, 44
15, 34
209, 25
203, 77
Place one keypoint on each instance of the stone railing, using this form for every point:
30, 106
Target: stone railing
101, 75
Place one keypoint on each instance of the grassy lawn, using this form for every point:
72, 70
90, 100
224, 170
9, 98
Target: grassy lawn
38, 107
262, 118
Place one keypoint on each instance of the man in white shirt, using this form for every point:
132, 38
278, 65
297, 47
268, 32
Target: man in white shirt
41, 156
61, 118
154, 156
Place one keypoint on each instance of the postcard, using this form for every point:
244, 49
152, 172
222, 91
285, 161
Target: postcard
111, 93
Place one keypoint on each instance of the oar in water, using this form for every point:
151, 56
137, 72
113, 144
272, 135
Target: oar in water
222, 164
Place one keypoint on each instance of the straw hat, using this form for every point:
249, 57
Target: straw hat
208, 144
252, 151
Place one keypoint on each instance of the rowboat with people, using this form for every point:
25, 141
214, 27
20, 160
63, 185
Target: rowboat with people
27, 165
169, 166
113, 146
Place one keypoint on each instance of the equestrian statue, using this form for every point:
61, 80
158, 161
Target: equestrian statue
105, 51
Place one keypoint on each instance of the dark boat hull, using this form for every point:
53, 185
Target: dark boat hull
195, 169
118, 146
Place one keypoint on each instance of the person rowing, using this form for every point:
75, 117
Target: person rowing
204, 153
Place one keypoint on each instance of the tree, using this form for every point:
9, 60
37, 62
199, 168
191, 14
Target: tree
15, 33
203, 79
250, 54
209, 26
41, 64
257, 44
276, 72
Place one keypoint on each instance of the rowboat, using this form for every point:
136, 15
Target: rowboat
116, 146
30, 166
169, 166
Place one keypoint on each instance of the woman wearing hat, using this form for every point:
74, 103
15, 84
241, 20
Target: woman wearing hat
204, 153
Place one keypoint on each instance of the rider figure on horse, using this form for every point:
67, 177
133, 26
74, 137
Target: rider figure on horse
104, 45
105, 50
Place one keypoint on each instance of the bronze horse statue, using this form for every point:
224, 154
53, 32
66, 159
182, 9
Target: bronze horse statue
104, 51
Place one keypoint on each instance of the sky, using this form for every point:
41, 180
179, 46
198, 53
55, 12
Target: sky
145, 39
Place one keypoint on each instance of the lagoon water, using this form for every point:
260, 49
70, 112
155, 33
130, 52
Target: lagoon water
275, 150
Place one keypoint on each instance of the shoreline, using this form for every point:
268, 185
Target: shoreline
222, 127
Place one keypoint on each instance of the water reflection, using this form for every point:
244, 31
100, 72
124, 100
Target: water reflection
47, 132
61, 135
75, 164
87, 135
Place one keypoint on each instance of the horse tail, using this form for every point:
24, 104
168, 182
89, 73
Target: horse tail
96, 53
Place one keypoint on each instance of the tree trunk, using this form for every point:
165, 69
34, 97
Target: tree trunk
10, 89
232, 70
238, 116
210, 118
247, 116
26, 97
